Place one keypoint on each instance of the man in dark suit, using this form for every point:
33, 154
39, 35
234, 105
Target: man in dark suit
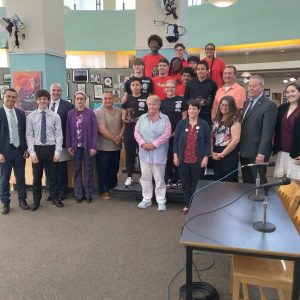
13, 150
258, 124
61, 107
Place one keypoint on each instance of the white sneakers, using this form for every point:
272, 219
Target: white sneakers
161, 207
128, 182
144, 204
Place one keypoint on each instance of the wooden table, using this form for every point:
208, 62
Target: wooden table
230, 230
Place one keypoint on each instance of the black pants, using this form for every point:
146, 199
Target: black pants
131, 147
250, 173
189, 175
45, 157
171, 169
226, 165
107, 167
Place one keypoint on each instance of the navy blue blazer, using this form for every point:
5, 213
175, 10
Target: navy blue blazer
4, 131
203, 139
62, 111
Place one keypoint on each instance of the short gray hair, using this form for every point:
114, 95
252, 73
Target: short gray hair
259, 78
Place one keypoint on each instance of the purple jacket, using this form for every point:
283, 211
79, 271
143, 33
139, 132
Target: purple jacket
89, 130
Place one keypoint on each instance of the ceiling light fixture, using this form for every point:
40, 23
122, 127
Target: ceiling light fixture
293, 79
246, 74
285, 81
222, 3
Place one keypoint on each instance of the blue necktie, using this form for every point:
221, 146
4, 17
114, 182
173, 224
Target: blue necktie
14, 129
43, 128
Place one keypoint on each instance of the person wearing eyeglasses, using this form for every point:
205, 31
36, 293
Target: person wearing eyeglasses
226, 134
175, 108
216, 64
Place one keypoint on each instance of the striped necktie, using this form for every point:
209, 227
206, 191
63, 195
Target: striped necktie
43, 128
53, 106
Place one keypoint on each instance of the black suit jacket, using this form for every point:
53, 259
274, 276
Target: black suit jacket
258, 128
4, 131
63, 109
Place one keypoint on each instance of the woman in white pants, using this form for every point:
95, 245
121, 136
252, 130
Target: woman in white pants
152, 133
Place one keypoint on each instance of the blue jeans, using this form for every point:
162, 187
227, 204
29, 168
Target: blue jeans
107, 166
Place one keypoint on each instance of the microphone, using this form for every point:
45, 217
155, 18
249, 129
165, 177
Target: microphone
266, 164
283, 181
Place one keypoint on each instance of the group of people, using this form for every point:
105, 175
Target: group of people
176, 117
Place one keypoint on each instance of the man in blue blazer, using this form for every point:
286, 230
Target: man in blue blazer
13, 150
258, 125
61, 107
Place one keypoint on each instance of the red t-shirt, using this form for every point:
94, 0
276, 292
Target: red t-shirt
180, 89
216, 70
150, 62
159, 86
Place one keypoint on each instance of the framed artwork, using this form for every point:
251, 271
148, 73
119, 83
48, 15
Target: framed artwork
26, 84
284, 94
2, 89
80, 76
81, 87
108, 82
6, 78
98, 91
267, 92
68, 76
95, 78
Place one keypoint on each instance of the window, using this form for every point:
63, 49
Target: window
125, 4
84, 4
194, 2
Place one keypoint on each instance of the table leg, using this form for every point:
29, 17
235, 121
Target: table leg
189, 272
296, 280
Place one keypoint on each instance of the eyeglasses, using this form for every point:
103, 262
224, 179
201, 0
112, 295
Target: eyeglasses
224, 105
209, 49
170, 87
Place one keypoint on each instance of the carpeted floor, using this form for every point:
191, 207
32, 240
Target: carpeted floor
104, 250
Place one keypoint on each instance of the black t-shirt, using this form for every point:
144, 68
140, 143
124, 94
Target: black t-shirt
173, 108
206, 91
147, 86
138, 104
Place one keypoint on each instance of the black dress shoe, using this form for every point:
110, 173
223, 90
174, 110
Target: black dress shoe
89, 199
24, 205
48, 198
62, 196
34, 207
5, 209
58, 203
79, 200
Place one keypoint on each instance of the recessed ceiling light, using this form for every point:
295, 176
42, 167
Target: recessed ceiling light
293, 79
285, 81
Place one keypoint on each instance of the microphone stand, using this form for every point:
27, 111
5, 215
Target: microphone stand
264, 226
257, 196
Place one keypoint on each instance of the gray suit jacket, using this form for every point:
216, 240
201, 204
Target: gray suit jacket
258, 128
